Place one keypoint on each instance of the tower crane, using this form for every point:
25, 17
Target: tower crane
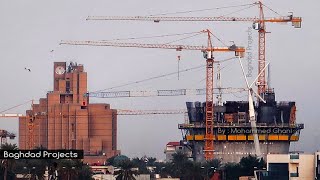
259, 24
208, 54
30, 124
3, 133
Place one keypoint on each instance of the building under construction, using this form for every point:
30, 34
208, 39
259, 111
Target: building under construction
233, 135
66, 120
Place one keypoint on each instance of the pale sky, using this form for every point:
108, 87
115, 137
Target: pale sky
30, 30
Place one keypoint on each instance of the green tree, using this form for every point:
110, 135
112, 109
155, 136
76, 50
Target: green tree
36, 167
151, 161
193, 171
85, 173
249, 163
110, 161
118, 159
210, 167
165, 169
232, 171
245, 167
74, 169
179, 160
7, 165
140, 164
125, 171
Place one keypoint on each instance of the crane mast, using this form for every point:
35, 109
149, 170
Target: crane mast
209, 147
262, 52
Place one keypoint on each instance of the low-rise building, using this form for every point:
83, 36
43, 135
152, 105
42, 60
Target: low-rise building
293, 166
174, 147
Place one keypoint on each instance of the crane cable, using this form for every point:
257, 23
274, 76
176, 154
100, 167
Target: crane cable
148, 79
157, 36
157, 77
184, 38
15, 106
271, 10
239, 10
200, 10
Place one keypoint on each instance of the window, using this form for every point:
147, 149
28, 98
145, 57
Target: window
68, 86
294, 156
72, 127
295, 174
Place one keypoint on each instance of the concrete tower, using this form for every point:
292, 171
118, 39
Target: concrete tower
66, 120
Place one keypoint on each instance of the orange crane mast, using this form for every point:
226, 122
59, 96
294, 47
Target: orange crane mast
258, 24
208, 52
30, 125
31, 118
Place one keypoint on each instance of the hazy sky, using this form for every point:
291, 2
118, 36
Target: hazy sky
30, 30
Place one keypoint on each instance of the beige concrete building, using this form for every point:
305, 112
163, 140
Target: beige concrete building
66, 120
295, 166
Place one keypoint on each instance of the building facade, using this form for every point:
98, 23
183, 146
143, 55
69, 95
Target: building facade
291, 166
174, 147
66, 120
232, 132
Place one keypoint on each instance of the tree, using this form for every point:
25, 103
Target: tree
85, 173
232, 171
249, 163
179, 159
151, 161
211, 166
126, 170
74, 169
7, 165
119, 159
165, 169
193, 171
110, 161
245, 167
140, 164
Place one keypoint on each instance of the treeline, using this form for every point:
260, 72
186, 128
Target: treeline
184, 168
35, 168
180, 167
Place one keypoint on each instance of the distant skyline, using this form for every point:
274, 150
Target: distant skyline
32, 30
